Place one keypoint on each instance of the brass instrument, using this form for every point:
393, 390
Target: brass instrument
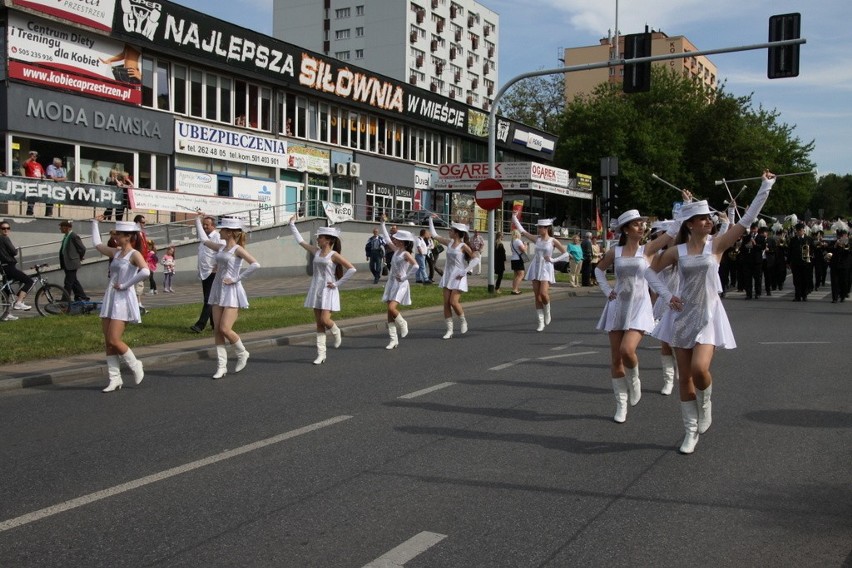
806, 252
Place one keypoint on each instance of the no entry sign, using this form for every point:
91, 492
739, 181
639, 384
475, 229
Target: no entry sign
489, 194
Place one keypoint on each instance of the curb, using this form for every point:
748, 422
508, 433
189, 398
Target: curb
92, 366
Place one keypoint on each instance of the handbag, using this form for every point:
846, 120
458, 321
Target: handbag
438, 249
525, 258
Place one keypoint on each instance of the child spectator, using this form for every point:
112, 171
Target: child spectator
168, 263
153, 261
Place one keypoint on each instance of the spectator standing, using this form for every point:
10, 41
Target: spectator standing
421, 250
597, 255
112, 179
517, 261
499, 260
206, 271
375, 252
56, 172
575, 261
95, 176
71, 254
153, 262
168, 263
8, 261
33, 169
586, 269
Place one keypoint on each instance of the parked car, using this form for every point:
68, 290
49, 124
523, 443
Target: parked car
419, 217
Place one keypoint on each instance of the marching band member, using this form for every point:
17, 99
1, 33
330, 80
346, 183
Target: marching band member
398, 290
460, 260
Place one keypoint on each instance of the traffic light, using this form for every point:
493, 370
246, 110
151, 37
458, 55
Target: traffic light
609, 203
637, 76
784, 61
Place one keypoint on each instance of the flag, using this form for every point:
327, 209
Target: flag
598, 223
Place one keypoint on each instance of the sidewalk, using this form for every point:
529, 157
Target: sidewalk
93, 365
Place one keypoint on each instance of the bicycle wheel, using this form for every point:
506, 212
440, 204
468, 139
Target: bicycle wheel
52, 300
5, 303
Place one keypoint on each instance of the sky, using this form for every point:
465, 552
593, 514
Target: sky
817, 103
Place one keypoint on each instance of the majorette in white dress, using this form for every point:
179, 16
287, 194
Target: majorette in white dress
228, 295
454, 267
539, 268
122, 305
703, 318
397, 288
320, 296
631, 308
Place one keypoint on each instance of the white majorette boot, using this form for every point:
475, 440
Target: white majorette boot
320, 349
394, 342
668, 374
702, 397
402, 325
221, 362
449, 333
462, 325
547, 318
242, 356
338, 337
619, 387
134, 365
114, 373
689, 410
539, 314
634, 387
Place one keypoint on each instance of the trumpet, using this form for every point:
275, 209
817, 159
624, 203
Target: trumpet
722, 181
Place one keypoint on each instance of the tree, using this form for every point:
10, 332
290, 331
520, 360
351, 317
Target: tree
536, 101
832, 196
687, 135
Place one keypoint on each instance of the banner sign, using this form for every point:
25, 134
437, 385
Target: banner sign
150, 200
504, 171
308, 159
96, 14
221, 143
61, 57
338, 212
64, 193
199, 183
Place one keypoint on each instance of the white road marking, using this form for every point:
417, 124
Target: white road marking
563, 347
794, 342
147, 480
507, 365
567, 355
415, 394
406, 551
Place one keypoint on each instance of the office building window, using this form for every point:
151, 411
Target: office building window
341, 34
342, 13
359, 10
359, 32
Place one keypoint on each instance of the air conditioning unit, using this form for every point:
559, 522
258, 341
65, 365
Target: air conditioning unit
341, 169
354, 169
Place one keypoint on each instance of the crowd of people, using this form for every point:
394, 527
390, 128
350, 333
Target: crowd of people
668, 286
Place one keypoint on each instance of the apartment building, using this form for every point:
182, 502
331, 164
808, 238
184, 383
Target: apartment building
699, 68
446, 46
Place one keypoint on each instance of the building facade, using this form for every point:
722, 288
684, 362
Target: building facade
699, 68
448, 47
203, 114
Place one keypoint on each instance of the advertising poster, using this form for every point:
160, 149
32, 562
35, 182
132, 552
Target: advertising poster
95, 14
50, 54
211, 141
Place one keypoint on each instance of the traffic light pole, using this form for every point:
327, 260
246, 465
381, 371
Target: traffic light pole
492, 113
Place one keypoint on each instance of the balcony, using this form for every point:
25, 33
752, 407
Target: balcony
413, 79
434, 45
470, 99
470, 21
470, 61
421, 15
413, 37
419, 61
453, 53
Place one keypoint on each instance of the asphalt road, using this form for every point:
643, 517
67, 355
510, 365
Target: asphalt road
492, 449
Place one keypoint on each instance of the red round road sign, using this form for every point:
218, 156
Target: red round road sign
489, 194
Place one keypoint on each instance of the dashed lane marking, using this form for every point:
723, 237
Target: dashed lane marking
421, 392
406, 551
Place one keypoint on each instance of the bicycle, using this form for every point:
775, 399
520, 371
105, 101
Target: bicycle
50, 299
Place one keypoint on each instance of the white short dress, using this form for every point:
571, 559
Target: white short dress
320, 296
394, 290
631, 308
454, 267
539, 268
669, 277
228, 295
121, 305
703, 318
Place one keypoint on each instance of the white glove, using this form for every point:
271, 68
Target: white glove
657, 285
248, 271
96, 233
600, 276
141, 274
757, 203
346, 276
295, 230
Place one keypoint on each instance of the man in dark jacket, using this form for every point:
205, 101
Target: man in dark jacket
800, 250
71, 254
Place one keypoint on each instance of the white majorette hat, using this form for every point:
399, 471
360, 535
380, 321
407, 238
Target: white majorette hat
544, 223
626, 217
127, 227
403, 236
693, 208
328, 232
460, 227
230, 223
